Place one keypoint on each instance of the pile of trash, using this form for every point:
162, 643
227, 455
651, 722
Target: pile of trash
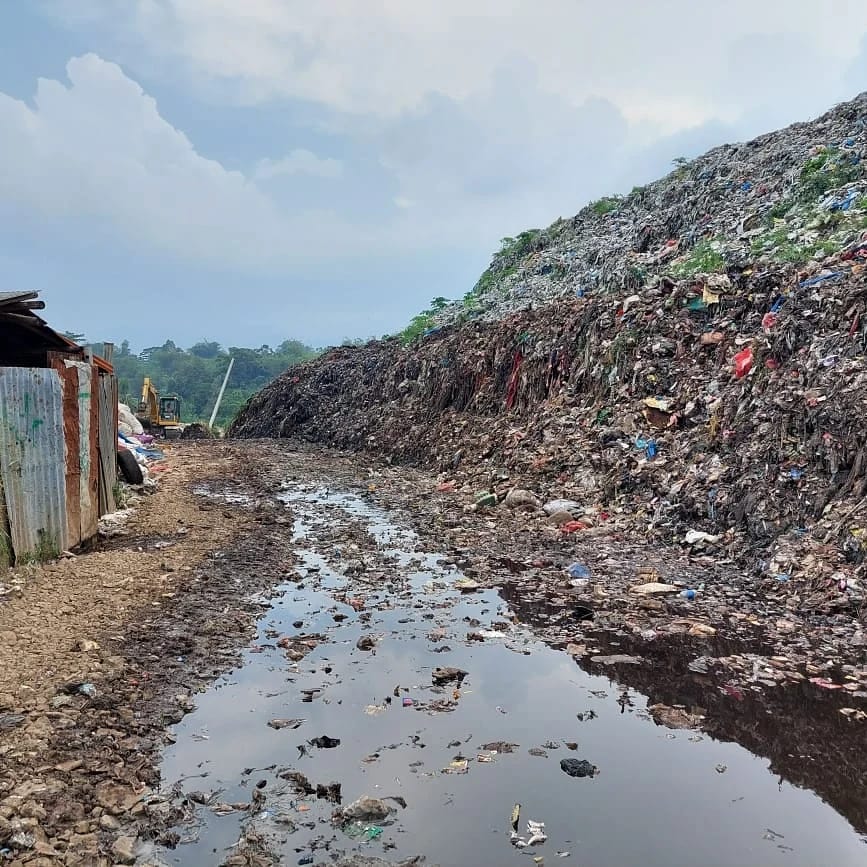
701, 382
137, 458
789, 197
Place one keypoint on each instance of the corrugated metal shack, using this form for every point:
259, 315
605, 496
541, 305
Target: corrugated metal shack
58, 436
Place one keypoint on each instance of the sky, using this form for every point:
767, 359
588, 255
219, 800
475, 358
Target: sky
250, 172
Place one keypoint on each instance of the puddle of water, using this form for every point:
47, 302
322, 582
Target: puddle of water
658, 800
223, 496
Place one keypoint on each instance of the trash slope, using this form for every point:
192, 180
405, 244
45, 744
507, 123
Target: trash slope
687, 360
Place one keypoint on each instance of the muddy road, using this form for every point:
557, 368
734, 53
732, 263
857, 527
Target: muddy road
295, 657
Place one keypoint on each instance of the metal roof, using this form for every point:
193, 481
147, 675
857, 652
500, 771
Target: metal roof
23, 295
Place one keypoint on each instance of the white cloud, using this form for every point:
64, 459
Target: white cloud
672, 62
98, 149
298, 162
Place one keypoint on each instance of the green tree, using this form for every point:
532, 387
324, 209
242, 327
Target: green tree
206, 349
195, 374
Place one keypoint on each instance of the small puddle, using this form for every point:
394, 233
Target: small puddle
662, 798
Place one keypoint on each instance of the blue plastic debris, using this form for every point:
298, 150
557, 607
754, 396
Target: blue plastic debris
578, 570
647, 446
820, 278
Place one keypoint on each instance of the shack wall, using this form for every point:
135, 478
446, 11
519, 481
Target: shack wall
58, 456
33, 461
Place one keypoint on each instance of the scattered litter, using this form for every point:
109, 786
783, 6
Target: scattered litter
578, 768
285, 723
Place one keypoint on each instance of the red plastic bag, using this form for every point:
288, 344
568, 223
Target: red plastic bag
743, 362
769, 320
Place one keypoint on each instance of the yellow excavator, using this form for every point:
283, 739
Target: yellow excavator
159, 415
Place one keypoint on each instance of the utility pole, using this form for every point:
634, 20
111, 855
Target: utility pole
220, 395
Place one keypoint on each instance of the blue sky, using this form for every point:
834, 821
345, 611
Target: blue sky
269, 169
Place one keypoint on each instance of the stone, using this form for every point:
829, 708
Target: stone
124, 849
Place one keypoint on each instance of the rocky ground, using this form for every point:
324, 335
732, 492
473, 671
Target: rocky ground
101, 654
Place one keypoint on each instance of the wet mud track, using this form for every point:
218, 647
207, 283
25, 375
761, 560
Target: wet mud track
276, 584
344, 693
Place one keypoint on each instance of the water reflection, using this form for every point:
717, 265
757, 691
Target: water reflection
660, 798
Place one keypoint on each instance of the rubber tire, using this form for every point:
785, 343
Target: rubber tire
129, 468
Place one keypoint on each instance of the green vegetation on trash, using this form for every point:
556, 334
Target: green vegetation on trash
605, 205
419, 323
795, 231
704, 258
828, 170
517, 248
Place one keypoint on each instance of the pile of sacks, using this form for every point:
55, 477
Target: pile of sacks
131, 438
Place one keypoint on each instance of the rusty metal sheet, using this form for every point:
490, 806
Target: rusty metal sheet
33, 460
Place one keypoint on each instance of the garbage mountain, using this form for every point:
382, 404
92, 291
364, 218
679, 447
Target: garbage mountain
687, 361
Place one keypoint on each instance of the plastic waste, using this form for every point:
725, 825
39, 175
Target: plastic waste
535, 835
362, 831
518, 497
578, 768
578, 570
485, 499
324, 742
446, 674
554, 506
365, 809
743, 362
687, 594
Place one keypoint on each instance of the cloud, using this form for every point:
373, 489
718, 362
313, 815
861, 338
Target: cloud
98, 150
298, 162
663, 62
411, 136
510, 155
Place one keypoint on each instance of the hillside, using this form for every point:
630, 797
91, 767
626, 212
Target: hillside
689, 358
786, 198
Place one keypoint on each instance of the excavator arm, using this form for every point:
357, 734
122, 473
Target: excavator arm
148, 408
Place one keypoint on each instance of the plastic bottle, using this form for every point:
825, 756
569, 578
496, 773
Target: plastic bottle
687, 594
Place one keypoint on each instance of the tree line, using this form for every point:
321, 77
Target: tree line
195, 374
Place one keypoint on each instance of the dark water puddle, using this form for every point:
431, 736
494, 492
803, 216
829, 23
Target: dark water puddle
662, 798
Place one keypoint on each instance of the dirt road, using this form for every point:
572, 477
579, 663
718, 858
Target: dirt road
177, 697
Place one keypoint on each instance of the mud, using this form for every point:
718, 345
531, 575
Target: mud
296, 556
